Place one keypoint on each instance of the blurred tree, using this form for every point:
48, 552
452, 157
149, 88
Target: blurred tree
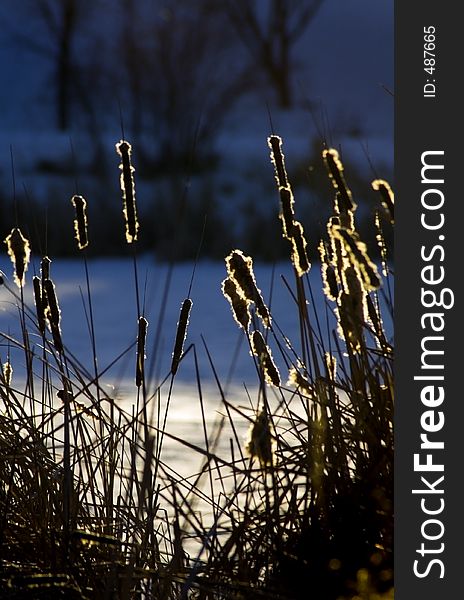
52, 29
270, 30
183, 75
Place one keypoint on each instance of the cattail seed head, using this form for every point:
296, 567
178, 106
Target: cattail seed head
7, 373
287, 214
328, 273
356, 252
53, 313
181, 334
141, 341
39, 304
331, 365
260, 442
298, 380
124, 150
263, 353
381, 244
240, 269
278, 160
388, 197
345, 202
45, 268
299, 256
80, 222
20, 252
352, 309
238, 302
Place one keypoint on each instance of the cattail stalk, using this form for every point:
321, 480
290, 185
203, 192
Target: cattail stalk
127, 183
181, 334
80, 222
20, 252
141, 342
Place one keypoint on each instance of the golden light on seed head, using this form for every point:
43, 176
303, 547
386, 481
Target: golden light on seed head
287, 214
388, 197
239, 304
263, 353
356, 252
7, 373
334, 165
124, 149
80, 222
298, 380
20, 252
240, 270
299, 255
278, 160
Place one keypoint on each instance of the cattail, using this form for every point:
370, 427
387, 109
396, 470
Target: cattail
260, 442
80, 222
140, 363
351, 311
53, 313
238, 302
124, 150
278, 160
240, 269
39, 303
263, 352
287, 214
388, 198
298, 380
376, 320
7, 373
328, 273
299, 256
19, 251
45, 268
335, 169
356, 252
181, 334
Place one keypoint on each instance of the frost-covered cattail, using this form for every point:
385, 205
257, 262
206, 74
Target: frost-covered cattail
278, 160
299, 256
20, 252
240, 269
238, 302
287, 215
260, 443
336, 173
7, 373
329, 276
39, 303
124, 150
388, 197
141, 341
356, 252
53, 313
181, 334
300, 381
80, 222
263, 352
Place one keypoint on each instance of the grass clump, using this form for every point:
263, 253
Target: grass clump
89, 508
